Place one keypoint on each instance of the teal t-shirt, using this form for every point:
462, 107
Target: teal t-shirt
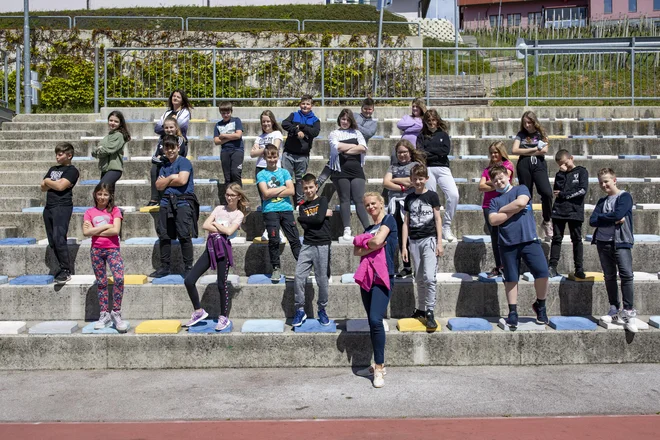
274, 179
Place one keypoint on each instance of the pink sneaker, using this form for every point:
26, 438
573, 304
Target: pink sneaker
196, 317
223, 323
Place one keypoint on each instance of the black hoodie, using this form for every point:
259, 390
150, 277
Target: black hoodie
437, 147
572, 186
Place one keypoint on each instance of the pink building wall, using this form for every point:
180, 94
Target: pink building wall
620, 9
474, 16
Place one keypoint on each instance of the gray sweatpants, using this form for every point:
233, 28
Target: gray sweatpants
425, 265
442, 177
319, 257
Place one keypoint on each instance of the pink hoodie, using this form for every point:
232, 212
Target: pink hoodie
373, 267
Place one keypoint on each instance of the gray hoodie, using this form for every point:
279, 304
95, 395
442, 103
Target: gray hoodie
367, 126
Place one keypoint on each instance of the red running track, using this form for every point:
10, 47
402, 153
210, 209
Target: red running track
536, 428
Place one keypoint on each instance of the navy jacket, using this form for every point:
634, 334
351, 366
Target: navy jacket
623, 234
309, 124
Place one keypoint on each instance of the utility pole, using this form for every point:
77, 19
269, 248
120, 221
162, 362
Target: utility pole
381, 5
27, 86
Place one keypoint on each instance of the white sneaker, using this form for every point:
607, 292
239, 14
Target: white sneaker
379, 378
264, 236
347, 237
103, 322
629, 319
120, 325
369, 371
282, 237
447, 235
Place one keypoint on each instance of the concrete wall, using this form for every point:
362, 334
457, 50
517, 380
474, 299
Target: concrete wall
48, 5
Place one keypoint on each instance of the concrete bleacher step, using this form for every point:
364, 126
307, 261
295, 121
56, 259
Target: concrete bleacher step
8, 232
158, 301
57, 117
385, 127
16, 204
210, 194
470, 258
241, 350
13, 135
375, 167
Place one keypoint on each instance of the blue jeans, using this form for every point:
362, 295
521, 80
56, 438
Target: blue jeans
375, 303
610, 259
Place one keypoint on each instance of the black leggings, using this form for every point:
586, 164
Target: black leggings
399, 225
111, 177
348, 189
533, 171
201, 266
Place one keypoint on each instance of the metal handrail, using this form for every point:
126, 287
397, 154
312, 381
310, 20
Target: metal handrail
242, 19
129, 18
39, 16
419, 25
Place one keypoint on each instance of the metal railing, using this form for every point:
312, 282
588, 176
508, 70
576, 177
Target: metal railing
279, 20
590, 75
100, 17
401, 23
36, 17
4, 93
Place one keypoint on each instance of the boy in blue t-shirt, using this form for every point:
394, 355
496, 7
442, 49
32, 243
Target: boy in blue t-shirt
229, 134
179, 208
512, 212
276, 188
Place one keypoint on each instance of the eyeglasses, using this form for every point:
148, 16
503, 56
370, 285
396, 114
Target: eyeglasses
231, 195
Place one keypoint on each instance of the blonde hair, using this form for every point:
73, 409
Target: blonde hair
501, 149
374, 194
243, 203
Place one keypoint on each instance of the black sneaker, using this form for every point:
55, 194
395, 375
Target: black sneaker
404, 273
152, 203
417, 314
541, 315
512, 320
160, 273
495, 272
63, 276
580, 274
430, 320
552, 271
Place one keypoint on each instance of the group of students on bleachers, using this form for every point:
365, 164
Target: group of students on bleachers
410, 222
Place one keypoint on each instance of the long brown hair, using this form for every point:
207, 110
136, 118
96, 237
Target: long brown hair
415, 154
243, 203
102, 186
123, 128
532, 117
273, 120
432, 113
349, 115
419, 103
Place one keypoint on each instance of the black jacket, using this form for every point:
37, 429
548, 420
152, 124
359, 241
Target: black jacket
572, 186
309, 124
436, 147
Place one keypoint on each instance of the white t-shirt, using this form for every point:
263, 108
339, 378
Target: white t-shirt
226, 218
264, 139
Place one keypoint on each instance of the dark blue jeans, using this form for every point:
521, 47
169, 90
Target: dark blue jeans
612, 258
375, 303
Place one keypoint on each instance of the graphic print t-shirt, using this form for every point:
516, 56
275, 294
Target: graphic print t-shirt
99, 217
230, 127
265, 139
421, 221
275, 179
65, 197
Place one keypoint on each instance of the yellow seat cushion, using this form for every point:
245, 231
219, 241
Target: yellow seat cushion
198, 120
414, 325
558, 136
591, 277
480, 119
159, 326
131, 279
259, 240
248, 181
150, 208
537, 206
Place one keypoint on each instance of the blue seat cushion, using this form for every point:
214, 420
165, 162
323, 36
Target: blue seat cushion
312, 325
90, 182
476, 239
169, 279
347, 278
469, 325
33, 209
17, 241
263, 326
467, 207
262, 278
208, 326
141, 240
32, 280
572, 323
483, 277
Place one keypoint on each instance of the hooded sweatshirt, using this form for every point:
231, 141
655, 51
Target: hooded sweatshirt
309, 124
572, 186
